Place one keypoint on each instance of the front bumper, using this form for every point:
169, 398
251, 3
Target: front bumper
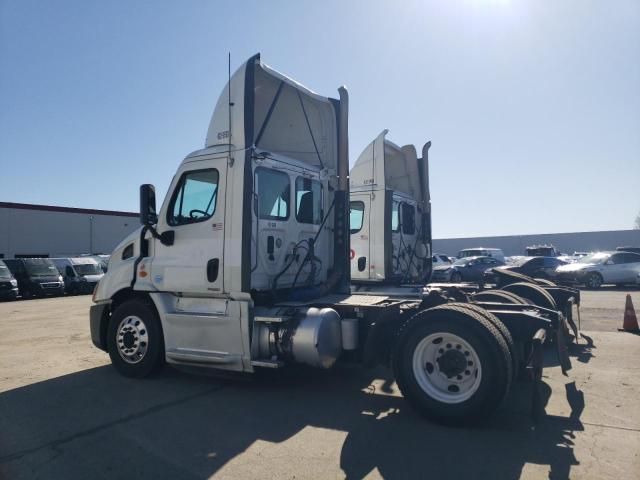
441, 276
10, 294
48, 288
82, 287
97, 324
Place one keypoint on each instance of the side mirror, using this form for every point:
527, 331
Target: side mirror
148, 215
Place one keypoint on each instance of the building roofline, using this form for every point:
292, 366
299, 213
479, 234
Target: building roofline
52, 208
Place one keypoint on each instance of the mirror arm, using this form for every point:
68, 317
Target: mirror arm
166, 238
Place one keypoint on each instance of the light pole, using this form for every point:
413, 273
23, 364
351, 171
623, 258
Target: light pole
90, 233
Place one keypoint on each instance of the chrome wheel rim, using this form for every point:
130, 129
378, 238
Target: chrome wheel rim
132, 339
447, 367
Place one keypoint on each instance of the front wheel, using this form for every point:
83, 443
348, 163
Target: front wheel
593, 280
452, 364
456, 277
134, 339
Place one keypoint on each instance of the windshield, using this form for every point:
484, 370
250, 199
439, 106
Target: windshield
600, 257
462, 261
88, 269
470, 253
518, 262
4, 271
41, 268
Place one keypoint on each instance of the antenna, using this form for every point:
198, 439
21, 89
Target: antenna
229, 96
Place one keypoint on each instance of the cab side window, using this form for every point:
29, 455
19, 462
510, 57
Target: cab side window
630, 258
194, 199
274, 191
308, 201
618, 258
395, 219
356, 216
408, 219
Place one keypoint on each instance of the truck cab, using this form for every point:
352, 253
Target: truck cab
390, 214
248, 222
36, 277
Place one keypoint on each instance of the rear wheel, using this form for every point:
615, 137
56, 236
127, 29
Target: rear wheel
593, 280
452, 364
456, 277
134, 339
544, 281
501, 327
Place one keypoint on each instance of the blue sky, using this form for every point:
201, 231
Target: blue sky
533, 107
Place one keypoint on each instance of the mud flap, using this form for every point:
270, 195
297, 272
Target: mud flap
570, 321
561, 345
535, 366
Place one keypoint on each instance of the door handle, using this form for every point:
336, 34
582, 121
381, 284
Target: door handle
212, 269
270, 243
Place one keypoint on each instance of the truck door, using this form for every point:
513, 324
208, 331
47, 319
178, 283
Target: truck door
193, 264
360, 229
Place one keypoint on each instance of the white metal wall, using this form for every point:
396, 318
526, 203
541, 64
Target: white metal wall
58, 234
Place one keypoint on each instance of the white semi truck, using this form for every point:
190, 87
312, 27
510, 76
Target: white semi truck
246, 266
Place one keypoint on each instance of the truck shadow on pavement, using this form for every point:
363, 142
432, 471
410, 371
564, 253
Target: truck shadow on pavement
96, 424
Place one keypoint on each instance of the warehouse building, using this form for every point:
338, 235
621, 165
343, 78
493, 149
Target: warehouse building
46, 231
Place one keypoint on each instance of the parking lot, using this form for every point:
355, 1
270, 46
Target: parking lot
65, 413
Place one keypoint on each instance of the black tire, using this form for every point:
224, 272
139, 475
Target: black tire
504, 331
545, 282
25, 294
534, 293
488, 344
456, 277
500, 296
153, 358
507, 277
593, 280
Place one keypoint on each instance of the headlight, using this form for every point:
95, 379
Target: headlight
14, 283
95, 291
60, 279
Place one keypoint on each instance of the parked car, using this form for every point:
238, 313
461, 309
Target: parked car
36, 276
8, 284
536, 267
80, 274
496, 253
542, 251
467, 269
600, 268
439, 259
628, 249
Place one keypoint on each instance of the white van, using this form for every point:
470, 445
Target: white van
80, 274
496, 253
